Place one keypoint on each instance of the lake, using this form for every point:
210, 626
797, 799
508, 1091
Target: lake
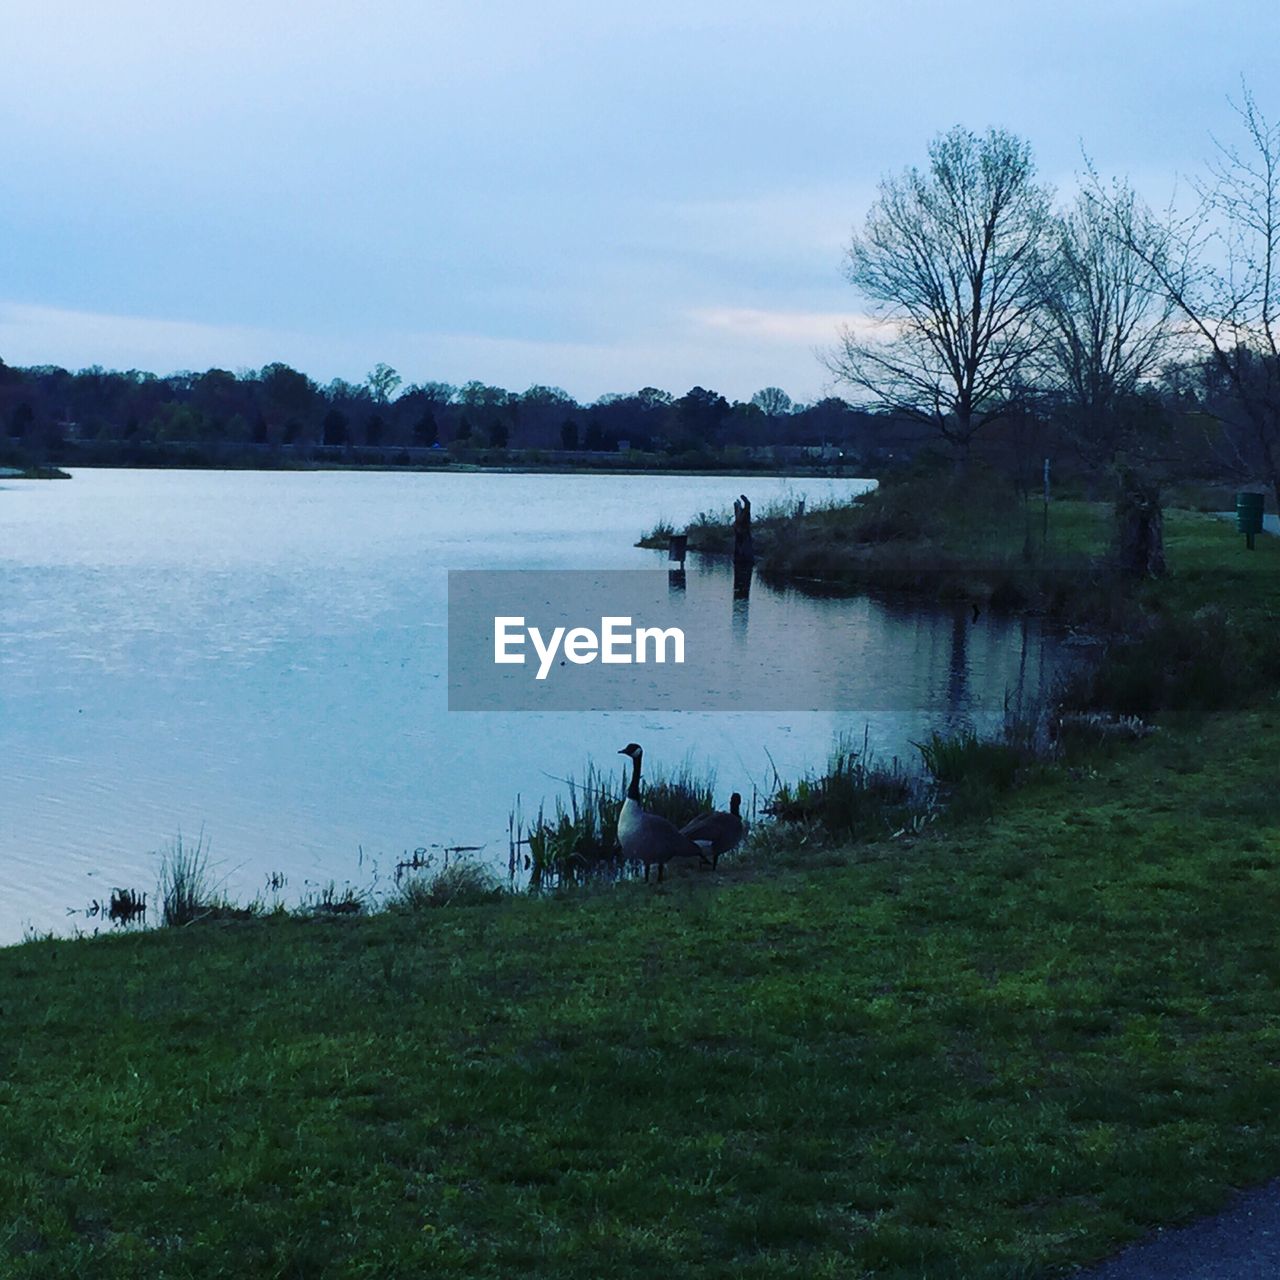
260, 657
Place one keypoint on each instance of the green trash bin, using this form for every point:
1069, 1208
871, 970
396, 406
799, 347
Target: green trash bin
1249, 507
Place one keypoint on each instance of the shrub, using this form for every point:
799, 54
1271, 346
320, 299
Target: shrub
1167, 662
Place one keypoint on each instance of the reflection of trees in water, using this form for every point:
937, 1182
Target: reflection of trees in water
1025, 629
958, 665
876, 649
961, 694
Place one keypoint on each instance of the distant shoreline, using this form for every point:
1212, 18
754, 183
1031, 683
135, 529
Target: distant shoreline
33, 473
826, 471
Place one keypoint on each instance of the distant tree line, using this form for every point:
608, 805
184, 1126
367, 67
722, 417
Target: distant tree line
63, 414
277, 415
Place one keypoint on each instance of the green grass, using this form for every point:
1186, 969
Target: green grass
996, 1051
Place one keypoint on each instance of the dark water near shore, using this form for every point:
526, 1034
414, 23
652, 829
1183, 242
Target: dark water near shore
261, 656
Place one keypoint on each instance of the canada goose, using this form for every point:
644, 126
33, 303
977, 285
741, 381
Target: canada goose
722, 830
647, 837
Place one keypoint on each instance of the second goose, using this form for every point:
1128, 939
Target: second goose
721, 830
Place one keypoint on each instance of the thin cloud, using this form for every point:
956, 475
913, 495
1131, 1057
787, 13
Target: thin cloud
674, 355
784, 327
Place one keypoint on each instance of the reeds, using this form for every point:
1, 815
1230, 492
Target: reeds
460, 882
857, 798
186, 892
962, 758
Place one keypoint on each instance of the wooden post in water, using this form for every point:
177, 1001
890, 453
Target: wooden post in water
743, 550
676, 550
744, 555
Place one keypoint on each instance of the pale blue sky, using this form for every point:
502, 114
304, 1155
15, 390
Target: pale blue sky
578, 193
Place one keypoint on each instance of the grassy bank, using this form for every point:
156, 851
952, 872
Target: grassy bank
997, 1048
931, 534
992, 1052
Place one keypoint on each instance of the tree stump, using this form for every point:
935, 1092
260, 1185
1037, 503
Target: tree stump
1139, 527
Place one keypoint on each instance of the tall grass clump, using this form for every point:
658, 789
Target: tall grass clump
186, 890
971, 772
857, 798
330, 899
458, 883
964, 759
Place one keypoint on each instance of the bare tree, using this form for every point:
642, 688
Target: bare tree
1109, 325
773, 402
951, 260
1220, 269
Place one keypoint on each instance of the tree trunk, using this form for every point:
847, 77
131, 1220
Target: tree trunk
1139, 527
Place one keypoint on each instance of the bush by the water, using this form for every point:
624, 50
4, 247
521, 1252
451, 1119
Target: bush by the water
1169, 662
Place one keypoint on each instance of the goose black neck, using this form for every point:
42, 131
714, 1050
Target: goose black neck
633, 791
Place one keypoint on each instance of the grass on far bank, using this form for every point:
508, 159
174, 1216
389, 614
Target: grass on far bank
934, 533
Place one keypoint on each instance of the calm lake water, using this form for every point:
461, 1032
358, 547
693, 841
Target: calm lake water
260, 657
